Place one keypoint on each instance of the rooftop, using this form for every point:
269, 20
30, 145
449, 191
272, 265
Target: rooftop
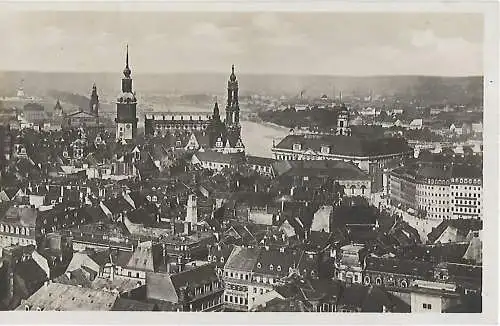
62, 297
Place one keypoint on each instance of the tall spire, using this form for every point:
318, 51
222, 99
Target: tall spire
233, 76
127, 71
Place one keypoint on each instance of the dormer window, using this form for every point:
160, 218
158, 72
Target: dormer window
178, 143
278, 268
259, 265
297, 147
325, 149
27, 308
271, 267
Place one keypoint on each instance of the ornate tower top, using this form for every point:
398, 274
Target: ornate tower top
216, 109
127, 71
233, 76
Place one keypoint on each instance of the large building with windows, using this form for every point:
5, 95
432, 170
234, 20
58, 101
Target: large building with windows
206, 131
370, 150
438, 191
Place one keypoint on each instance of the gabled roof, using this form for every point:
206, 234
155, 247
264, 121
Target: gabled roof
463, 226
143, 258
242, 259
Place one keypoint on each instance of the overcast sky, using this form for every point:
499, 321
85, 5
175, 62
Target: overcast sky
293, 43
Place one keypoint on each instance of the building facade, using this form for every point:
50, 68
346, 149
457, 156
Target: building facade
438, 191
126, 108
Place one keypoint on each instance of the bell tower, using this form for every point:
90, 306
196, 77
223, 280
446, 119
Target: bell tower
126, 108
343, 128
94, 101
232, 107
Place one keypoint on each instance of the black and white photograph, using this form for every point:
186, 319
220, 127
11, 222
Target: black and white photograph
245, 161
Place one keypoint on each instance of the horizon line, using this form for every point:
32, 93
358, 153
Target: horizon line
245, 74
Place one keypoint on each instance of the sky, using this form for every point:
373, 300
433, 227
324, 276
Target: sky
443, 44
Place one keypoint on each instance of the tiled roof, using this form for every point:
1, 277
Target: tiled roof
143, 258
337, 169
23, 215
243, 259
347, 145
61, 297
464, 226
258, 160
216, 157
198, 276
400, 266
124, 304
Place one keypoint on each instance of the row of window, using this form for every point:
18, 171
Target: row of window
235, 300
173, 118
14, 229
460, 194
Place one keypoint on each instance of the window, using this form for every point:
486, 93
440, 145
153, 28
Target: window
221, 259
367, 280
278, 268
427, 306
259, 265
378, 281
254, 290
271, 267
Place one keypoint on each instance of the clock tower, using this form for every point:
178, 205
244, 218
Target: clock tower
126, 108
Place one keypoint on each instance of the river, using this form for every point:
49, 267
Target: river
258, 137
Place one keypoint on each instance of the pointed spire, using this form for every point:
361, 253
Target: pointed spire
127, 71
233, 76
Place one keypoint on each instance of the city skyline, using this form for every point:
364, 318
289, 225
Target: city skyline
257, 43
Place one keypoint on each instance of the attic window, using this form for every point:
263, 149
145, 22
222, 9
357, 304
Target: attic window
271, 267
278, 268
259, 265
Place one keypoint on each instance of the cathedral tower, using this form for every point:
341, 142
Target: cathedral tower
94, 101
232, 107
126, 108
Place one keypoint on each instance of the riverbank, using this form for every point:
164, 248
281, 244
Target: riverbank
258, 137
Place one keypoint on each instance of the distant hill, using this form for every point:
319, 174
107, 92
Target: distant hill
432, 89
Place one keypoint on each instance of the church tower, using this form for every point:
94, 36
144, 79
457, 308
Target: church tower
126, 108
232, 107
343, 128
94, 101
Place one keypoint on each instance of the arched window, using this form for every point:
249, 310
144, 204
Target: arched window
353, 188
404, 284
271, 267
278, 268
378, 281
259, 265
367, 280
